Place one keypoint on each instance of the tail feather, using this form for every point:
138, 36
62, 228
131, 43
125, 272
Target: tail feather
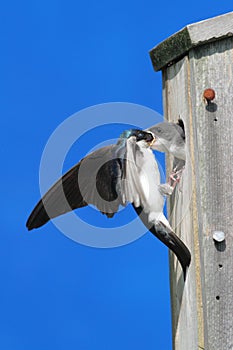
166, 235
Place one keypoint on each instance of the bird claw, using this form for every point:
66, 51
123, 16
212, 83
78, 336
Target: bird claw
175, 177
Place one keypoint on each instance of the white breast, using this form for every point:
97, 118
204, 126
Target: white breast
150, 179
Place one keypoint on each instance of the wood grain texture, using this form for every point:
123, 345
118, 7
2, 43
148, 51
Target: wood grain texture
177, 45
212, 65
202, 308
186, 299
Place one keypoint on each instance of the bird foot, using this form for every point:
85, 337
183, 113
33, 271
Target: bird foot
175, 177
165, 189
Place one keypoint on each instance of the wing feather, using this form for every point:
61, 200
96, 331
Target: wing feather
91, 181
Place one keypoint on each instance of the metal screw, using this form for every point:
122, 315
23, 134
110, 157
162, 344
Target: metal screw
208, 95
218, 236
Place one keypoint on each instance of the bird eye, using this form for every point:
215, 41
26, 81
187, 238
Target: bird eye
159, 130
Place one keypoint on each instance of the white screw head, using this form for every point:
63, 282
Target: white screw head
218, 236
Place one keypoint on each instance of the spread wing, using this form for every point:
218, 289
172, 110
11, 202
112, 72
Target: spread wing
107, 178
92, 181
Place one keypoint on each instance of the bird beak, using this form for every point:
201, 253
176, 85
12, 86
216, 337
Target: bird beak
153, 140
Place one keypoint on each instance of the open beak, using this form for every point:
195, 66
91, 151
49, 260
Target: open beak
153, 139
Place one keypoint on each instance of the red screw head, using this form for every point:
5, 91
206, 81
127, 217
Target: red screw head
209, 95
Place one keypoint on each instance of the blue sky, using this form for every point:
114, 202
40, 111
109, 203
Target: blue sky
58, 57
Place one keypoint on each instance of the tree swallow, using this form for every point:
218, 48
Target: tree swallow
126, 172
170, 137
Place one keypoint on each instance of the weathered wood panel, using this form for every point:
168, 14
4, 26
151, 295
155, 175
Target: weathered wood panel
212, 66
192, 35
199, 57
186, 299
203, 308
